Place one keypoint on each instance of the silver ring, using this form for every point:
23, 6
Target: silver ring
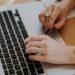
47, 14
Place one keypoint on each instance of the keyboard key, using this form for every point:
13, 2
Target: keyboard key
7, 37
3, 45
2, 41
6, 72
17, 49
24, 33
5, 33
1, 55
26, 72
2, 61
6, 55
15, 62
28, 61
5, 50
9, 27
12, 71
23, 45
21, 41
1, 37
11, 31
21, 59
4, 28
21, 25
16, 44
40, 71
23, 64
4, 66
32, 69
19, 73
19, 36
0, 50
8, 60
13, 56
8, 42
15, 26
17, 30
14, 39
17, 67
9, 66
12, 35
10, 46
19, 54
38, 65
12, 51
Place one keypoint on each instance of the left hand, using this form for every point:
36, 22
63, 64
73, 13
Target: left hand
51, 51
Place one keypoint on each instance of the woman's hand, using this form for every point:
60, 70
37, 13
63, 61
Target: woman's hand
58, 17
50, 51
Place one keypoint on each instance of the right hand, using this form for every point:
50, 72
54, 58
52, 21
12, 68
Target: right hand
57, 18
50, 51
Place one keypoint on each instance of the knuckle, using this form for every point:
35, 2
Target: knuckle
31, 38
44, 44
30, 44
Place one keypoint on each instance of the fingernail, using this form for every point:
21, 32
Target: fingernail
25, 41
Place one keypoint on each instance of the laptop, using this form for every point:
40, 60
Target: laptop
17, 22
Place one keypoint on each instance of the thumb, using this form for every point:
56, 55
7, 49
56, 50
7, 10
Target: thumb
60, 24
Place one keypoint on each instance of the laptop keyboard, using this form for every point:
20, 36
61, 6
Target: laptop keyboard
12, 52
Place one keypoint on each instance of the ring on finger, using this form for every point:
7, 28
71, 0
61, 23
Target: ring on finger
38, 51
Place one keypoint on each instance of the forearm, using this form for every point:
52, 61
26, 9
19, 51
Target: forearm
68, 4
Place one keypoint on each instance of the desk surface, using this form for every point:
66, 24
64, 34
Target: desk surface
17, 1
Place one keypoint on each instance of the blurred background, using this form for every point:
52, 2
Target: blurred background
6, 2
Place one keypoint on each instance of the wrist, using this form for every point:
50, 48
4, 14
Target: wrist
70, 55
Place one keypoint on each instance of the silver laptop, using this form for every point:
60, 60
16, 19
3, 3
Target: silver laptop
16, 24
13, 58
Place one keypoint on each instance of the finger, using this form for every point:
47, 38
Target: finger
54, 16
60, 24
47, 21
44, 28
38, 58
42, 18
35, 38
31, 50
36, 44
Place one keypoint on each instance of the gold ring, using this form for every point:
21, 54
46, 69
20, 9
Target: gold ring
38, 52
